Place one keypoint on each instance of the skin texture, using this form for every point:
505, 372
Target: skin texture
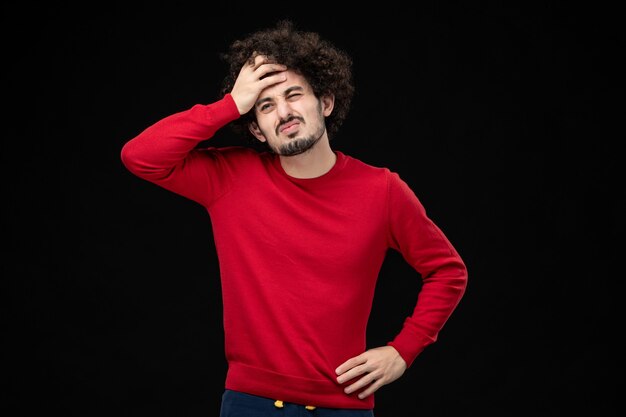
290, 118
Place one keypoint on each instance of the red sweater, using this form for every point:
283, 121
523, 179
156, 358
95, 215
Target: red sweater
299, 258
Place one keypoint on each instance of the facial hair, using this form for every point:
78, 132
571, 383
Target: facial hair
300, 145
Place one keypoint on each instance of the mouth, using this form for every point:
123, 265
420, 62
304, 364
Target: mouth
290, 127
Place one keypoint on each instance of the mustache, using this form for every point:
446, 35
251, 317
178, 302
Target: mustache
284, 122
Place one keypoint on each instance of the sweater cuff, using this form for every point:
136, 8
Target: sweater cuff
222, 111
231, 106
409, 347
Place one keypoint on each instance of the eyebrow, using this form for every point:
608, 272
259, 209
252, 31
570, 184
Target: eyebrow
285, 93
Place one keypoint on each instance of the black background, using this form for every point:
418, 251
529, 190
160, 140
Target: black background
495, 113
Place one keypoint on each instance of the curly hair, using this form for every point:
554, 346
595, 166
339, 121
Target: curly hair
326, 68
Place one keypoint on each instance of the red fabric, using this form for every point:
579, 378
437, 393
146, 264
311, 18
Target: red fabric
299, 258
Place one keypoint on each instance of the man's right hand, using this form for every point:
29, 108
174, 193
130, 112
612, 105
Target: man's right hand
252, 79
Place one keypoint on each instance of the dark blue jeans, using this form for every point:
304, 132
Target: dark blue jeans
239, 404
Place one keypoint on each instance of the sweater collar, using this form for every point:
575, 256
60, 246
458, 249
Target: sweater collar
336, 168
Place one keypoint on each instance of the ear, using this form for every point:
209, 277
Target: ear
254, 129
328, 103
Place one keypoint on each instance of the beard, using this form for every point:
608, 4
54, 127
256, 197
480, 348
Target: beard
298, 145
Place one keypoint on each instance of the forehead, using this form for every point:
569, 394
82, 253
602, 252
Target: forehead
293, 80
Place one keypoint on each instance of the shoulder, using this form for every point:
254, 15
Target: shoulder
394, 185
356, 164
366, 169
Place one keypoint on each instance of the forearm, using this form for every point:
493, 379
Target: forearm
444, 274
439, 296
160, 148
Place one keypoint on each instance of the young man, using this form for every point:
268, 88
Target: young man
301, 231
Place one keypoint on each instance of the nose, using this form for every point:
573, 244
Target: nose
283, 109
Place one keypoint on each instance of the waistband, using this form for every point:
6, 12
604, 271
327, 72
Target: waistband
288, 388
235, 403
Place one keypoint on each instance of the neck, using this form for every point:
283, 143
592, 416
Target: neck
313, 163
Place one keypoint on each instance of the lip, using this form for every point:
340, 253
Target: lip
290, 126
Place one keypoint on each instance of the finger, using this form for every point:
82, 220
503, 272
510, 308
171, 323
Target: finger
265, 69
260, 60
352, 373
349, 364
361, 383
249, 66
257, 59
273, 79
372, 388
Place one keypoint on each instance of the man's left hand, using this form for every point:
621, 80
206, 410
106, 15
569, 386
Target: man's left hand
375, 367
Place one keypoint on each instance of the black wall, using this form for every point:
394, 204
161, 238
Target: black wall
496, 115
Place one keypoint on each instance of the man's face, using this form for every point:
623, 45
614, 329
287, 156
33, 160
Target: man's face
290, 118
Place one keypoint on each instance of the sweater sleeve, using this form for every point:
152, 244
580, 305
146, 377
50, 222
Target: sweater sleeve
165, 153
444, 274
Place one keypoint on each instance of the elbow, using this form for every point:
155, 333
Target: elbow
139, 163
458, 282
462, 277
126, 156
453, 275
131, 158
